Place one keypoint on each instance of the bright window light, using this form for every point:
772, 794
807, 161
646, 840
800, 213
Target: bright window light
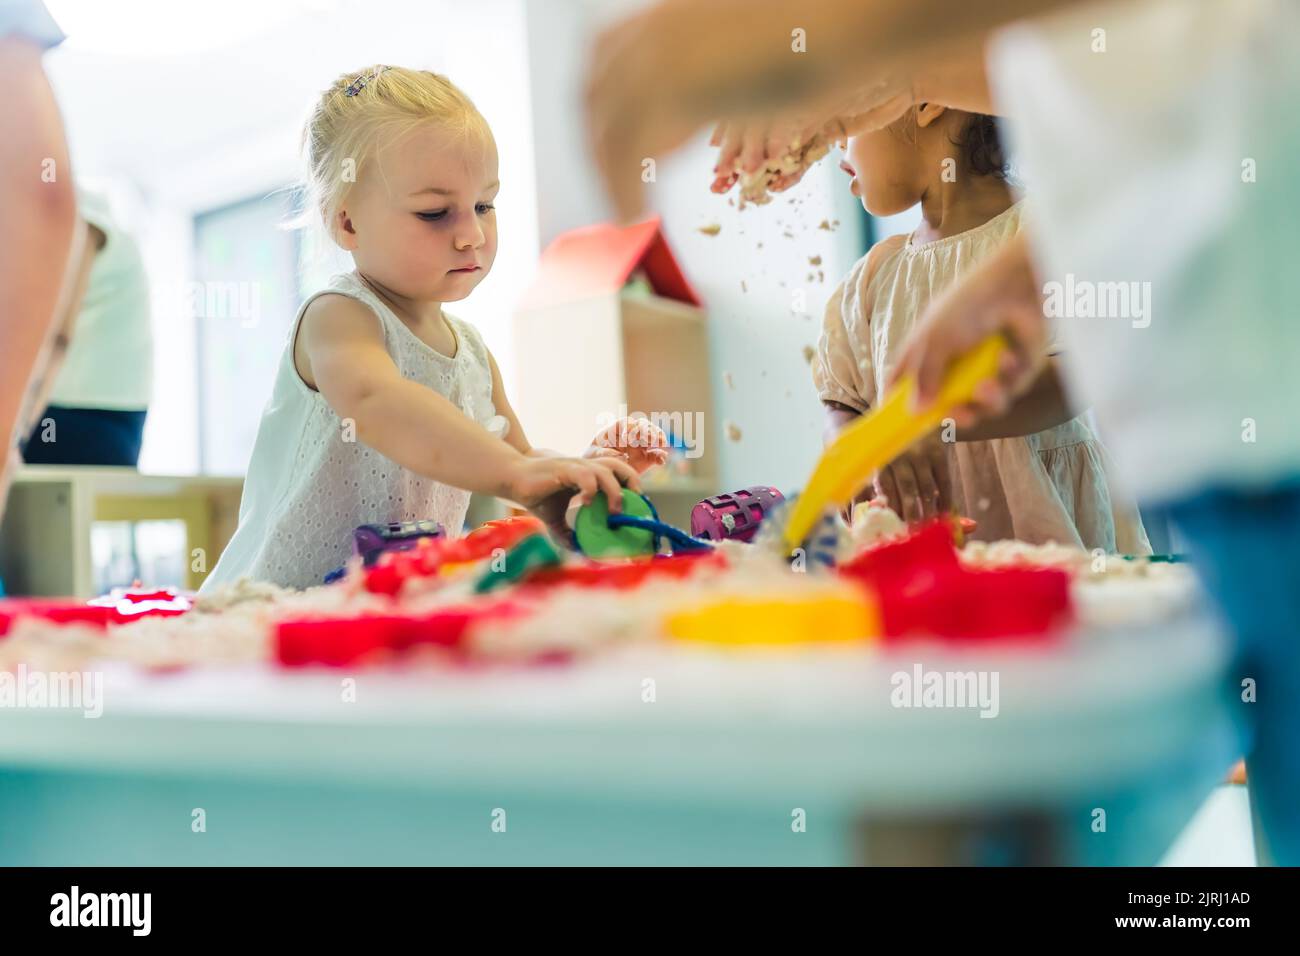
167, 28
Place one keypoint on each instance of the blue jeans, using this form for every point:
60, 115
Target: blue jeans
85, 436
1246, 546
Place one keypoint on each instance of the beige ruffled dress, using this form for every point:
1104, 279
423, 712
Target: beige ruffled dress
1049, 486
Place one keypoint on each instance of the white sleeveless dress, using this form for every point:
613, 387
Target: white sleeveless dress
308, 487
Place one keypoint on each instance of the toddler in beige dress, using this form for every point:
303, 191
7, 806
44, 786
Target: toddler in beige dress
1039, 473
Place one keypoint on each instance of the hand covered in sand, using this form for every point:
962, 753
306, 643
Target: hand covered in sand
771, 156
657, 76
637, 441
764, 158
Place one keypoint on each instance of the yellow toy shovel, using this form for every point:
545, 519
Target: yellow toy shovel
879, 437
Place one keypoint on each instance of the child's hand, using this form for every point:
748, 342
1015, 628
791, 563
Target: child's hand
917, 484
658, 75
872, 106
546, 486
637, 441
749, 147
1000, 295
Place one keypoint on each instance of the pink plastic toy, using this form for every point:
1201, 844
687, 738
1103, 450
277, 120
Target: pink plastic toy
735, 516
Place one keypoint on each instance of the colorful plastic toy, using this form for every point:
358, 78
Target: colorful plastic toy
341, 642
876, 439
836, 616
372, 540
825, 543
1006, 604
962, 527
431, 556
55, 611
634, 533
535, 551
596, 537
120, 606
928, 548
734, 516
625, 575
137, 601
923, 589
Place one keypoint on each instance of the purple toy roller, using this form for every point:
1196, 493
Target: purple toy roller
372, 540
735, 516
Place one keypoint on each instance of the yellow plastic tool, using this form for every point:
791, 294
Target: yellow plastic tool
876, 439
834, 615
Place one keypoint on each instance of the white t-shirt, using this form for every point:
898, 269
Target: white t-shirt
1161, 142
310, 484
29, 18
109, 363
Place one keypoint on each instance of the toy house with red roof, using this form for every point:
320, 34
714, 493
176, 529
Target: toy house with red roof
611, 327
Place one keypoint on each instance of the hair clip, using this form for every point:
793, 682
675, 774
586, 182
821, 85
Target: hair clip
359, 84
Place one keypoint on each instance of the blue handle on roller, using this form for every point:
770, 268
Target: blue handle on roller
678, 537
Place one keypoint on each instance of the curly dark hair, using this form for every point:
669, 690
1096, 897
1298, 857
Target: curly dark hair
981, 147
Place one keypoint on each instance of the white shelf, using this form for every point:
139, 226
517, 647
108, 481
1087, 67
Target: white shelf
45, 537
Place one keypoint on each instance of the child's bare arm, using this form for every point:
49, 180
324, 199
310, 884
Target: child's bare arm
515, 436
87, 241
658, 75
340, 351
39, 214
838, 417
1044, 406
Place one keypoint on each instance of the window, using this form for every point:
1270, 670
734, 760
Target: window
244, 299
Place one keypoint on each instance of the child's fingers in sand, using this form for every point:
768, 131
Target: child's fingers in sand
887, 488
730, 144
724, 183
753, 150
782, 137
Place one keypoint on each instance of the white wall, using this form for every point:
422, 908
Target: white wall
559, 33
754, 334
758, 333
